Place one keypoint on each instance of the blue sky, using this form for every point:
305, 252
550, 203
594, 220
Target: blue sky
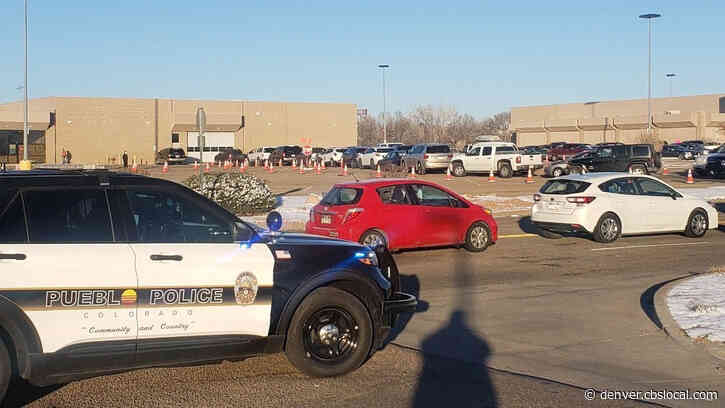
481, 57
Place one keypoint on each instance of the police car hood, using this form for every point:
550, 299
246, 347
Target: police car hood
295, 239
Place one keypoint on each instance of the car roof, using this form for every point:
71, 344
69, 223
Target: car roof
600, 177
375, 183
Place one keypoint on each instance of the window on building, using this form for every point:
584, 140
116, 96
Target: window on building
174, 138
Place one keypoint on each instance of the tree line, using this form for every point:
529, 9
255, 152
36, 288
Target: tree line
431, 124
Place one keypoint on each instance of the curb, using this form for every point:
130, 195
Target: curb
674, 331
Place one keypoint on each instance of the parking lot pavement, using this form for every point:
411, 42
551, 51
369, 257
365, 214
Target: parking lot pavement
570, 309
395, 377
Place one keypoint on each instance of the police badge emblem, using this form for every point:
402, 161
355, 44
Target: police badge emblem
245, 288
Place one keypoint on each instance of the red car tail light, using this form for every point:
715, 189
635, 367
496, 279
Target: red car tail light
580, 200
537, 197
450, 156
352, 213
518, 159
425, 156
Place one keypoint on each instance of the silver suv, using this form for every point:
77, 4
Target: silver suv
424, 157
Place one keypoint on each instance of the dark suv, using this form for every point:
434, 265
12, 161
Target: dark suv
106, 272
287, 154
171, 155
635, 158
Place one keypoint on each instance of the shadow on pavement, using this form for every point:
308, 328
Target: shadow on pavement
454, 357
21, 393
408, 284
527, 226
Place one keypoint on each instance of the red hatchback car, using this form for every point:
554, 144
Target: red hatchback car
401, 213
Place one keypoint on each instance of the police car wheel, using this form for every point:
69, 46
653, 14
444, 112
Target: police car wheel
5, 369
330, 334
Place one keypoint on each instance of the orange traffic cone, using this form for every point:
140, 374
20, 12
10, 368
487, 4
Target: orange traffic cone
317, 168
206, 169
280, 163
266, 165
302, 167
323, 165
412, 172
378, 174
166, 167
271, 167
134, 168
344, 169
665, 171
690, 179
491, 178
529, 177
294, 164
448, 173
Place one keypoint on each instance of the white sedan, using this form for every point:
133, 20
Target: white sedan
371, 157
609, 205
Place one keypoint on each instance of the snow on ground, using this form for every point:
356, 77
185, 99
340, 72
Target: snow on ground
698, 306
295, 211
709, 193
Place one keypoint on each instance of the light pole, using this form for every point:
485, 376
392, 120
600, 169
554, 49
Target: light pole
25, 90
670, 76
385, 131
649, 17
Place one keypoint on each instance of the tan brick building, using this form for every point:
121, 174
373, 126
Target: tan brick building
96, 129
700, 117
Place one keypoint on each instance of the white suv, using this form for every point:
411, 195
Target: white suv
106, 272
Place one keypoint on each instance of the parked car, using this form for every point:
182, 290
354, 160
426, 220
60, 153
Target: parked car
333, 156
351, 156
260, 153
234, 155
171, 155
404, 149
672, 150
635, 158
609, 205
370, 157
424, 157
163, 276
317, 153
716, 162
503, 158
286, 154
402, 213
392, 160
691, 150
392, 144
561, 167
566, 150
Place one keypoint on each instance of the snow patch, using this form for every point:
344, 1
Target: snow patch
698, 306
710, 193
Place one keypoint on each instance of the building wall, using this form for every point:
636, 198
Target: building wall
96, 130
678, 118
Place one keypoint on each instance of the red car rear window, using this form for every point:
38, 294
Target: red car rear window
342, 196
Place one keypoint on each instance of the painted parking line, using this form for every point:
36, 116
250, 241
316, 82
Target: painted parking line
651, 246
517, 236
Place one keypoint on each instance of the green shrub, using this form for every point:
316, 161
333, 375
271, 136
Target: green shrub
242, 194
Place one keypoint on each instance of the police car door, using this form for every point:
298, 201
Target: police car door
67, 273
194, 279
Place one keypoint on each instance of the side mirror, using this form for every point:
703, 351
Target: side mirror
674, 196
274, 221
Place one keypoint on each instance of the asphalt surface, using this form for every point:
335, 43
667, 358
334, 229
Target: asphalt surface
530, 322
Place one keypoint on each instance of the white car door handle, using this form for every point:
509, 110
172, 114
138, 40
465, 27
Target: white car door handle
158, 257
17, 257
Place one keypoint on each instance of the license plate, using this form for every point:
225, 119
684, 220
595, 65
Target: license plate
553, 206
326, 219
722, 162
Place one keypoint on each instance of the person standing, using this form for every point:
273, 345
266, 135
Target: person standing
125, 159
62, 154
68, 156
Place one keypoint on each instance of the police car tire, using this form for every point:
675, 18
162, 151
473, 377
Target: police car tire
5, 370
318, 299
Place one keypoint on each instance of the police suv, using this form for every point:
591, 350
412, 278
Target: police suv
105, 272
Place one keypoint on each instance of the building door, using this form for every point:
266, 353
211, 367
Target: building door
215, 142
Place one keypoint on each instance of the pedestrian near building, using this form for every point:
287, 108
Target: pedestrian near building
62, 155
125, 159
68, 156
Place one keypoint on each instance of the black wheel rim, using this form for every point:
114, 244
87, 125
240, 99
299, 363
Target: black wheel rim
330, 335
